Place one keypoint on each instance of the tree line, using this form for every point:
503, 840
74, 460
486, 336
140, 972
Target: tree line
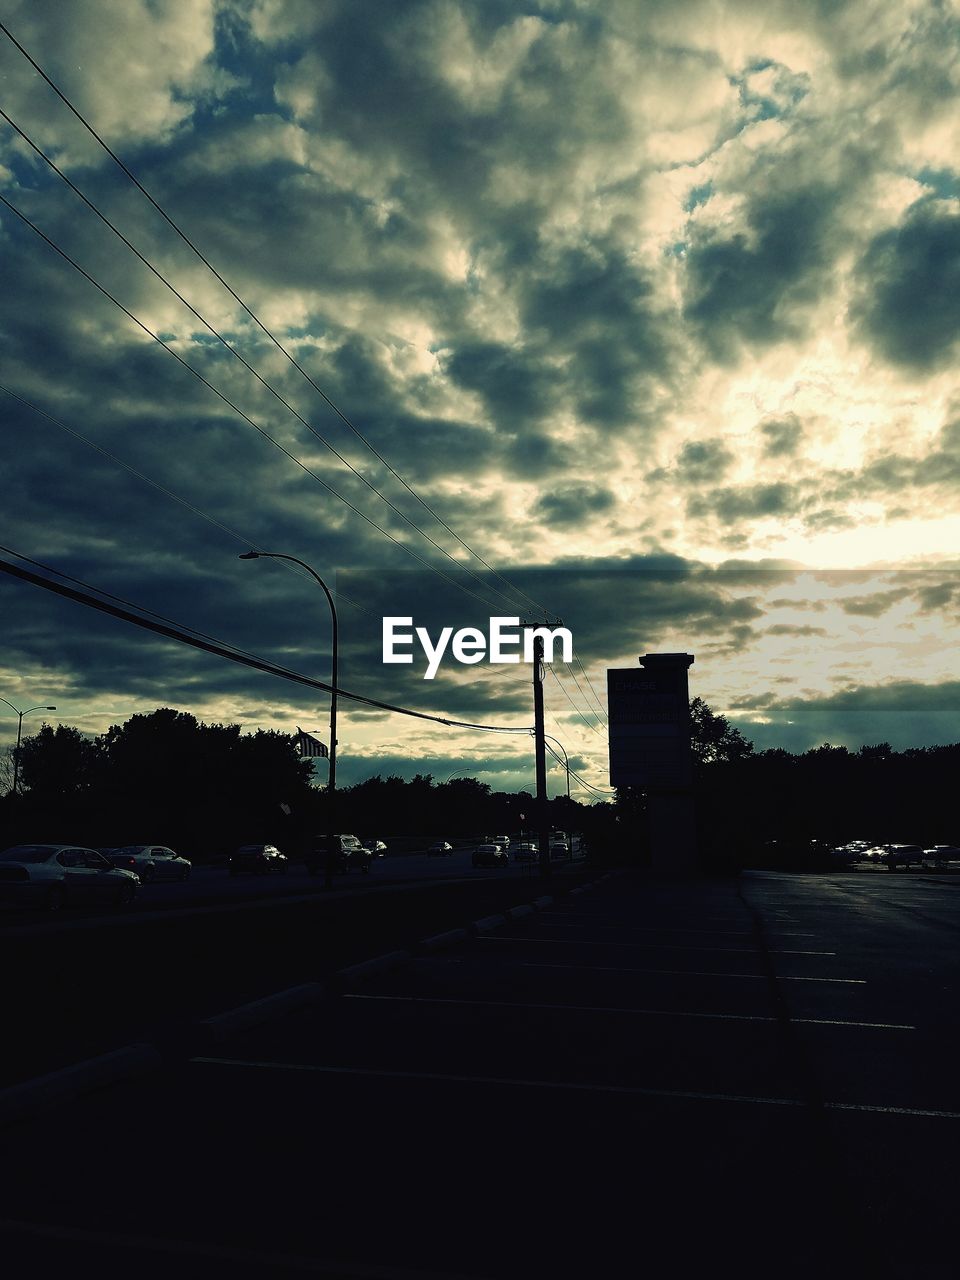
203, 789
168, 778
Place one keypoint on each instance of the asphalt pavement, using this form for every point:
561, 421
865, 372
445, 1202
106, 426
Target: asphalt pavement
758, 1076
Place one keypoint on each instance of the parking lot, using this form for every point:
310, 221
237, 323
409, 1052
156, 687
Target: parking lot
760, 1073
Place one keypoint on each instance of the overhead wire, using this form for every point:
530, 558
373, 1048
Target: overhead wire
240, 538
237, 354
227, 401
249, 311
573, 773
279, 346
197, 640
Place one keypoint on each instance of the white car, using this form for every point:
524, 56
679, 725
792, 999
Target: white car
59, 875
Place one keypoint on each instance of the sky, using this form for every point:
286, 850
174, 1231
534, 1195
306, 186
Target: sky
640, 316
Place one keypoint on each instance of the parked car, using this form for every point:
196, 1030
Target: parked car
559, 850
258, 860
348, 855
904, 855
502, 841
150, 862
844, 855
525, 851
59, 875
439, 849
938, 855
875, 853
490, 855
377, 848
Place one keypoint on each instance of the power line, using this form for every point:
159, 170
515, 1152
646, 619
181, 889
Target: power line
260, 430
174, 631
227, 401
234, 352
603, 709
577, 683
241, 538
292, 360
574, 773
249, 311
566, 694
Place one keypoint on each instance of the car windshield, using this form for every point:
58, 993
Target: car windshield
28, 853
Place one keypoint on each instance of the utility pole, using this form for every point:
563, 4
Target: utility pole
542, 814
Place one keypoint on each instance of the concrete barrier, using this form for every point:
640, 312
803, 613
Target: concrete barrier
517, 913
370, 968
225, 1024
21, 1101
437, 941
487, 924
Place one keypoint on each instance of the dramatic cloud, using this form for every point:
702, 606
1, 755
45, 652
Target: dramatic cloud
910, 281
585, 298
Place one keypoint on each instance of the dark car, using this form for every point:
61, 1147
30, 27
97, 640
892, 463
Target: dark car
525, 851
257, 860
490, 855
904, 855
58, 875
440, 849
347, 852
940, 855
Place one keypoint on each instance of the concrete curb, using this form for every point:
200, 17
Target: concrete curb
487, 924
437, 941
21, 1101
370, 968
517, 913
546, 900
222, 1025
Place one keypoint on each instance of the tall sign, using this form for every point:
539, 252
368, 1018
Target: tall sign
649, 731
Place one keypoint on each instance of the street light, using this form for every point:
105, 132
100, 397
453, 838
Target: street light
16, 757
565, 761
332, 778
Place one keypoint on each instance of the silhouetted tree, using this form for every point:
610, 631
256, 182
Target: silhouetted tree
713, 739
57, 763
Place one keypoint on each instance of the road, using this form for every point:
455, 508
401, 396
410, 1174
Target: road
759, 1076
212, 885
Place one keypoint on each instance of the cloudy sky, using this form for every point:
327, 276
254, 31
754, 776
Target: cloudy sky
643, 315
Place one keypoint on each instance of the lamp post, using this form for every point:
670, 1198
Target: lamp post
16, 757
332, 778
566, 762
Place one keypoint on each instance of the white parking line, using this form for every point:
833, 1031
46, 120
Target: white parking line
642, 1013
681, 1095
649, 946
685, 973
669, 928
